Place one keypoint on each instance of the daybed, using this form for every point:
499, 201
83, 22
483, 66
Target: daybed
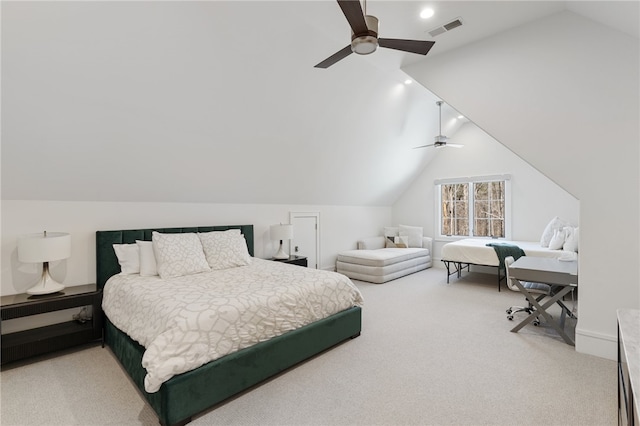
559, 240
377, 263
187, 393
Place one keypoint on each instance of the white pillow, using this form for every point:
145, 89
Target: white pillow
557, 241
128, 257
413, 232
401, 241
390, 232
148, 265
178, 254
225, 249
571, 240
547, 234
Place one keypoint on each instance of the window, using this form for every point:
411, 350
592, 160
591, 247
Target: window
474, 207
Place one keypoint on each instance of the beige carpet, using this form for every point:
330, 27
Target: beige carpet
430, 353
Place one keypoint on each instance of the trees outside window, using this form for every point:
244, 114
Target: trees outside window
475, 208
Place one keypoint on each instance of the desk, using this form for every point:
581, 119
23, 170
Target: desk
554, 272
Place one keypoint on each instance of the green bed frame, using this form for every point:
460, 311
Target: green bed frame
193, 392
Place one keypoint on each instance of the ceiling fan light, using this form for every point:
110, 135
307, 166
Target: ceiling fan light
440, 140
364, 45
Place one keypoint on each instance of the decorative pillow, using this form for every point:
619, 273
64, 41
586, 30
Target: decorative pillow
225, 249
401, 241
398, 242
413, 232
547, 234
571, 239
390, 232
178, 254
557, 241
148, 265
128, 257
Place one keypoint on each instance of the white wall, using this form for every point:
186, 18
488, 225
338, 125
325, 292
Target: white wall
207, 110
340, 227
562, 93
535, 199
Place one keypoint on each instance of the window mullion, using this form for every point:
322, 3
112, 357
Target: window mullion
472, 210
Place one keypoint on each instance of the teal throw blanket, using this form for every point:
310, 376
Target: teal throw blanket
504, 250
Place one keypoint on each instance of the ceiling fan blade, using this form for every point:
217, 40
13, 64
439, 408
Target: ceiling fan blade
413, 46
335, 57
454, 145
353, 12
423, 146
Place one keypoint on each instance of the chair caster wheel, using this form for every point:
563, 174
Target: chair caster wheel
508, 311
510, 317
536, 323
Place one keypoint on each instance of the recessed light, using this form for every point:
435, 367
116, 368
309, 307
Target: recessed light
407, 81
460, 117
426, 13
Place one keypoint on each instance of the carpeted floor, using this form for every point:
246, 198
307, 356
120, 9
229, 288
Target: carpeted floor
430, 353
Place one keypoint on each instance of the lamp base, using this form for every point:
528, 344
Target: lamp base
46, 285
281, 254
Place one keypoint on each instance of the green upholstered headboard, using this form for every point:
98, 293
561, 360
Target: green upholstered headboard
107, 263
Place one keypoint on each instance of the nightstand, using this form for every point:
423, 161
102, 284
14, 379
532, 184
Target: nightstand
40, 340
294, 260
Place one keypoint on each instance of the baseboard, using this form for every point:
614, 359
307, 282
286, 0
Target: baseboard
596, 344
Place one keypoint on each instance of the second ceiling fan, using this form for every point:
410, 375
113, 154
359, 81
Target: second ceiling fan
440, 140
364, 36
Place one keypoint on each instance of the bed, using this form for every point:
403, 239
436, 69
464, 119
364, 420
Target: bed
188, 393
460, 255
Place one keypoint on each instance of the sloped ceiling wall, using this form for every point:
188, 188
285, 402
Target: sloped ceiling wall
219, 101
562, 93
171, 101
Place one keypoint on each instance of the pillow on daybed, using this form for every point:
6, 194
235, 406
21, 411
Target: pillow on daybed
571, 239
413, 232
398, 242
547, 234
557, 241
178, 254
128, 257
391, 231
225, 249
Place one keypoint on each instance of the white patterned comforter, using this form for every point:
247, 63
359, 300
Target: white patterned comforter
185, 322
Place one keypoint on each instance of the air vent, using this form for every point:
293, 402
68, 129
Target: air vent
446, 27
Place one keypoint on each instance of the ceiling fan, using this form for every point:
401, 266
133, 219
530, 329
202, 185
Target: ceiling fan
440, 140
364, 36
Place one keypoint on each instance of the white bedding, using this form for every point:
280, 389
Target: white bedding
476, 251
185, 322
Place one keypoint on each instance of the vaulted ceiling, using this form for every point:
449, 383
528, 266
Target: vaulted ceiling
219, 101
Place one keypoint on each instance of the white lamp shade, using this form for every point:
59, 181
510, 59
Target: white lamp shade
281, 232
44, 247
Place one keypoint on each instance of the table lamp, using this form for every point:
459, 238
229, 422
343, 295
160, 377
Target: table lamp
44, 247
281, 232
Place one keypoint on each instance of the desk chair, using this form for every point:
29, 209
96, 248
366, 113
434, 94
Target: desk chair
543, 290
